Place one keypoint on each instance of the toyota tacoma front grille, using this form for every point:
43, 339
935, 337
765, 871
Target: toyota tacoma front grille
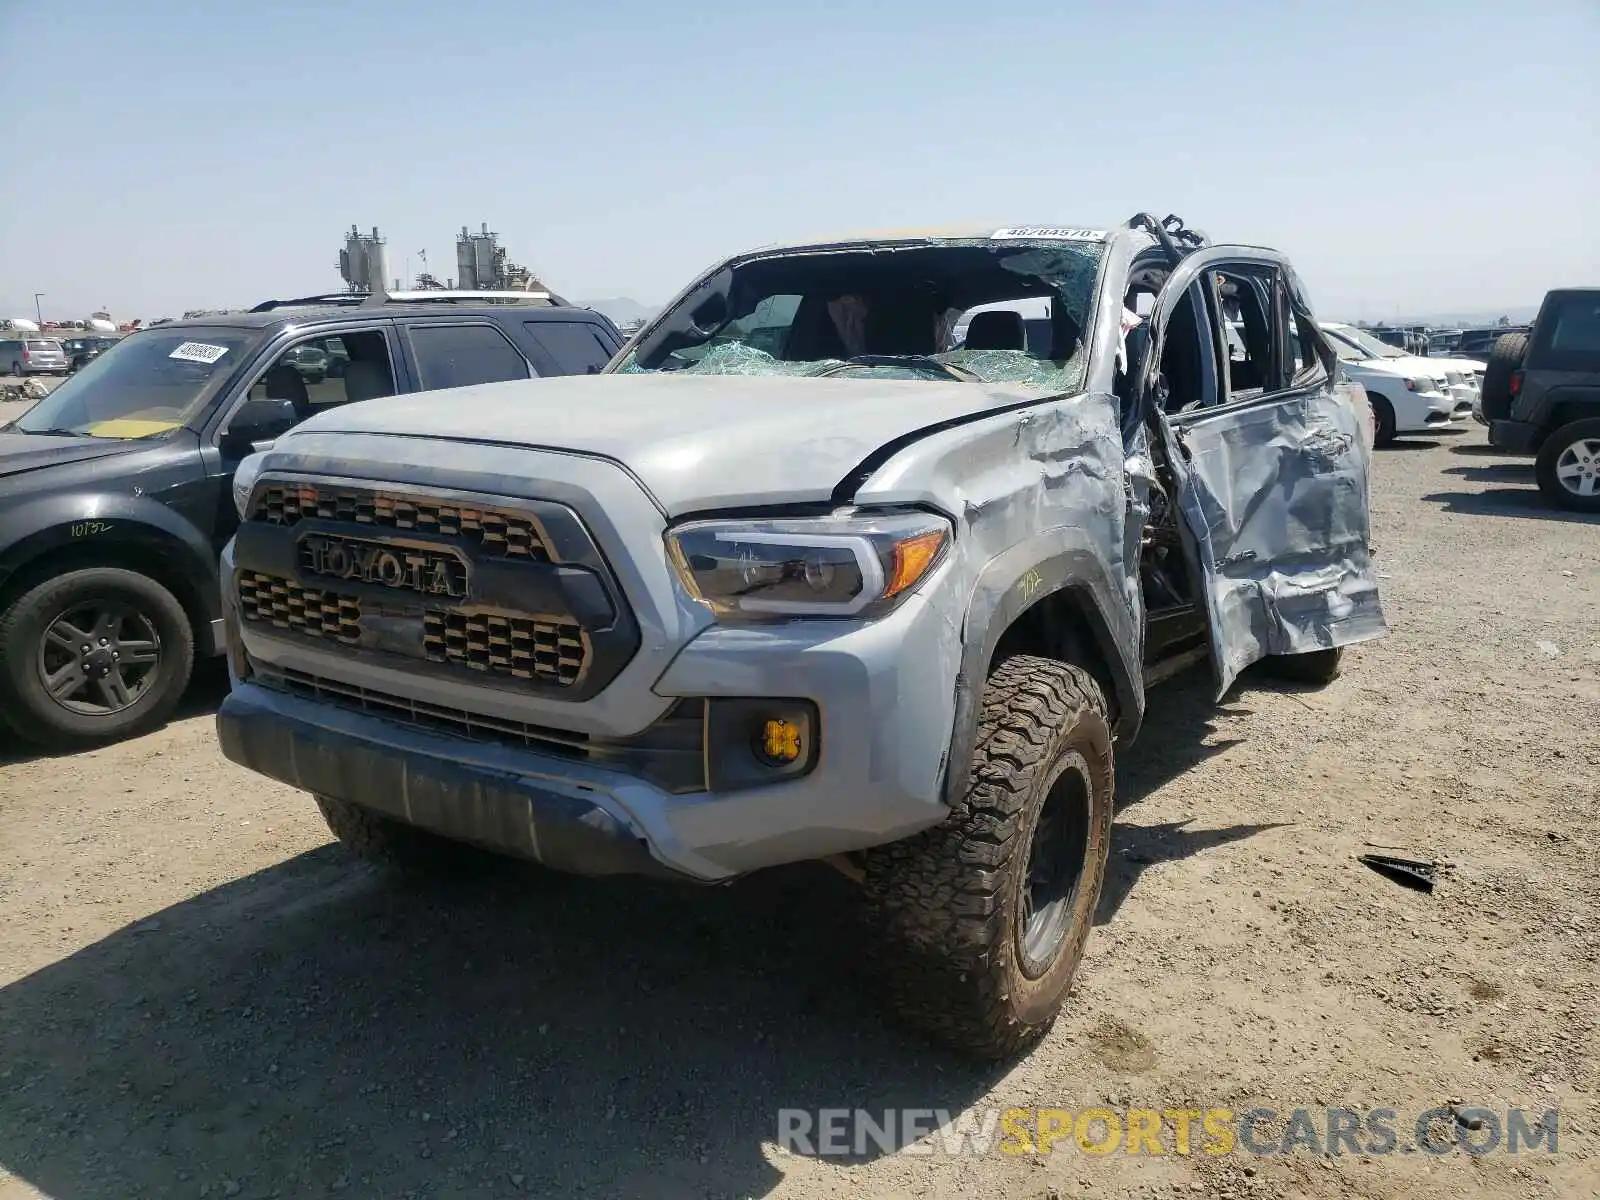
310, 611
522, 647
495, 532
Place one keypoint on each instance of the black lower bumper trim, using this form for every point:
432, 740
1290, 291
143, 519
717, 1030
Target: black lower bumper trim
500, 812
1514, 437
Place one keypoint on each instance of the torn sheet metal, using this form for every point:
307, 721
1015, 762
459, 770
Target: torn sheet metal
1042, 501
1275, 497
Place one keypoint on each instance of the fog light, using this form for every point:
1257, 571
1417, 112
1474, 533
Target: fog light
758, 742
780, 742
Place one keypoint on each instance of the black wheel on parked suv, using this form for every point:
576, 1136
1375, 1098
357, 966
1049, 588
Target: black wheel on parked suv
1506, 358
92, 655
1568, 466
980, 922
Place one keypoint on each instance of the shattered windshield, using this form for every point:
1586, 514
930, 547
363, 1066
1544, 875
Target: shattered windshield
984, 310
144, 386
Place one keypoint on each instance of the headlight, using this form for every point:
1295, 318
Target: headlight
244, 479
845, 565
1421, 385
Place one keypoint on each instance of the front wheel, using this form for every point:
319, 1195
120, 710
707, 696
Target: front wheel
92, 655
1383, 422
981, 921
1568, 466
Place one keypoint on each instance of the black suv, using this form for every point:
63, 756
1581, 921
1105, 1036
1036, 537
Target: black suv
81, 351
115, 495
1541, 396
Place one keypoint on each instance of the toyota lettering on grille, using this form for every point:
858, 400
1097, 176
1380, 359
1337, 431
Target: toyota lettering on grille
402, 568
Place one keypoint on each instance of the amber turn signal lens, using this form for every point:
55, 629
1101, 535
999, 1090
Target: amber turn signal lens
912, 558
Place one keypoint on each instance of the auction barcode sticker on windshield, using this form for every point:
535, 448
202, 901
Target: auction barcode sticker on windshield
200, 352
1051, 233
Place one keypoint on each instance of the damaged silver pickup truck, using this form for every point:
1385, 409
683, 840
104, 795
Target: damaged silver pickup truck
863, 551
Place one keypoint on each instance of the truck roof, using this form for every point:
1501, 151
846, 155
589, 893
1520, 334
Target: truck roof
292, 314
956, 232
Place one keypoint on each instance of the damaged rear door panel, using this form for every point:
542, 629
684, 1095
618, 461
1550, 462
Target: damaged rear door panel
1271, 466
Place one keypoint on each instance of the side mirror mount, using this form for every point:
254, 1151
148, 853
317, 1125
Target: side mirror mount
259, 421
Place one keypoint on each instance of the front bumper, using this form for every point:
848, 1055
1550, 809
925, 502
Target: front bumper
1440, 414
1514, 437
1421, 412
423, 780
882, 689
517, 758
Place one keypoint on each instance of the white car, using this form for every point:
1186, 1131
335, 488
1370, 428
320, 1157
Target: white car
1466, 381
1408, 394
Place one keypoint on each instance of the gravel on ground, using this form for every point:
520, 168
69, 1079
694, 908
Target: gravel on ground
200, 996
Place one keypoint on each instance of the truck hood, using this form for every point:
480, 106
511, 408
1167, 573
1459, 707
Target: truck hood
696, 442
21, 452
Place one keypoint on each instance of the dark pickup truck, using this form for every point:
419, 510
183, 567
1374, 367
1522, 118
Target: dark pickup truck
115, 496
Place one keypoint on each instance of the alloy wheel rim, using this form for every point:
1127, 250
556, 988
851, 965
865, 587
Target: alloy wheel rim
1578, 468
99, 658
1058, 853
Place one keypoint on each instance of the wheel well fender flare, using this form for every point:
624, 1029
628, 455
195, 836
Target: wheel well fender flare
1569, 403
1065, 565
67, 532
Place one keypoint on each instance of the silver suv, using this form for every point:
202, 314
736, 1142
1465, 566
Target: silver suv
798, 578
33, 356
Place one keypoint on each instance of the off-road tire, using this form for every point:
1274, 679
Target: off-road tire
395, 846
1318, 667
944, 907
1383, 422
26, 706
1506, 357
1555, 445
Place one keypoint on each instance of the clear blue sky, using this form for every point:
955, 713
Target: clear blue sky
1416, 156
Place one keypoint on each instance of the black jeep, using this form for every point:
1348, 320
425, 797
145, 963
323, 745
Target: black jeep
115, 492
1541, 396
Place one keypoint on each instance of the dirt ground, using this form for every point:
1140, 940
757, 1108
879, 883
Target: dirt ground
201, 996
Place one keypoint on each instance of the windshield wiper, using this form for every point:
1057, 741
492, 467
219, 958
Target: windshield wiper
52, 432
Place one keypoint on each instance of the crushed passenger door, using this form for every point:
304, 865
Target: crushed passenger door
1272, 487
